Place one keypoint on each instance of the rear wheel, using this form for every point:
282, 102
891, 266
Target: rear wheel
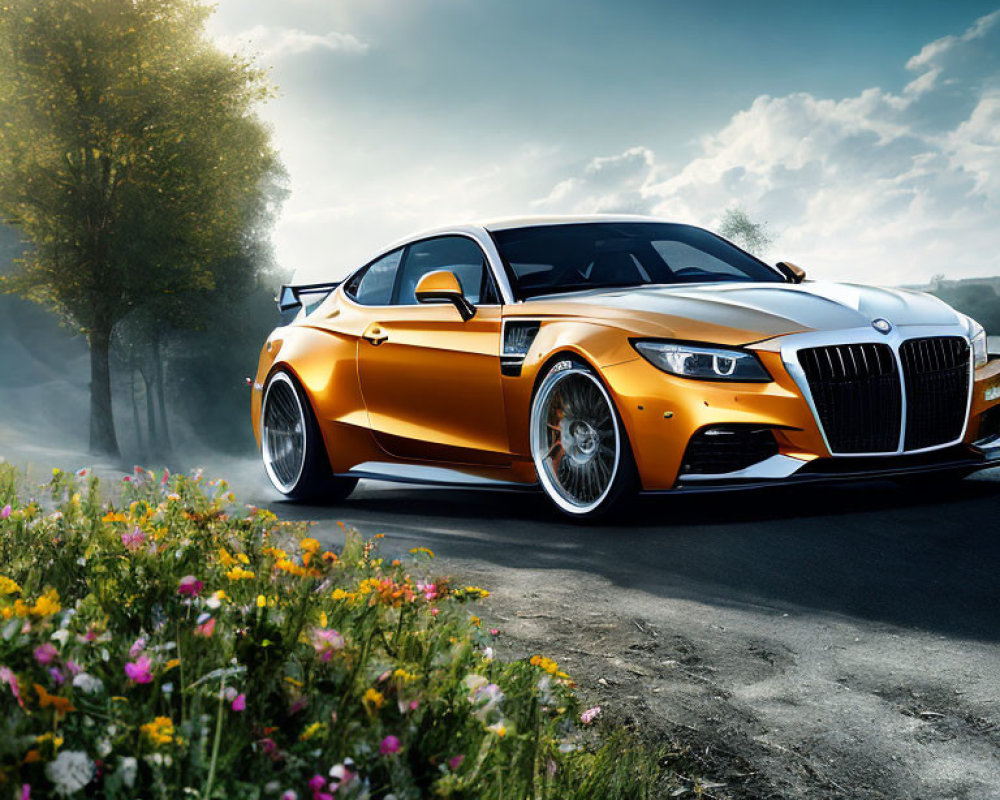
292, 446
578, 443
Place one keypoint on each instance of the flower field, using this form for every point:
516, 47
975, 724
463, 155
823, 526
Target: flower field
162, 642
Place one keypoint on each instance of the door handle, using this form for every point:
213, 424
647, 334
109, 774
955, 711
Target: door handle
375, 335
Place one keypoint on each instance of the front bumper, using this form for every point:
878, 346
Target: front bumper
662, 414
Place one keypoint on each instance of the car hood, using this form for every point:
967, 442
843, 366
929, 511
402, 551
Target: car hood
741, 313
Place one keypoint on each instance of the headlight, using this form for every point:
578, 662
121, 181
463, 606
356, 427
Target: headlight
705, 363
978, 337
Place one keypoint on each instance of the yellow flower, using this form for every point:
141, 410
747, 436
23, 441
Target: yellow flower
418, 550
548, 665
159, 731
475, 620
114, 516
47, 604
323, 619
498, 728
238, 573
373, 699
403, 675
174, 662
7, 586
309, 545
310, 731
290, 567
224, 558
340, 594
261, 601
294, 682
243, 558
21, 608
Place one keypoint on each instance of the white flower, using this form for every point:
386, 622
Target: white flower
128, 768
104, 747
61, 636
70, 772
88, 683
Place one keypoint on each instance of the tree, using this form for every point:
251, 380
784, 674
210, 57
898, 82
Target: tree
753, 237
130, 159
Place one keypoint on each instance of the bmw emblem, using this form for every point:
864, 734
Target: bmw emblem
882, 325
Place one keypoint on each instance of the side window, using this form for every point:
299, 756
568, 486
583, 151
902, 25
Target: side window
455, 253
372, 286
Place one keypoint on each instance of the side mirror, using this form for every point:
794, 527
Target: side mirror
792, 272
441, 286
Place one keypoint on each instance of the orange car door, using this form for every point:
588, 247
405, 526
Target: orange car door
431, 381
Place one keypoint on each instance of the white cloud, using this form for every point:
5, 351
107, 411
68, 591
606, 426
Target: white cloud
879, 187
273, 43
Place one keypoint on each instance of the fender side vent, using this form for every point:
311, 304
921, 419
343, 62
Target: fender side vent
517, 339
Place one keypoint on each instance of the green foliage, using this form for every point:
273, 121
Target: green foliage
754, 237
130, 159
978, 298
172, 645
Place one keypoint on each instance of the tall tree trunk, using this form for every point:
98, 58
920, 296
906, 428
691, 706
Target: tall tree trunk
160, 392
135, 414
154, 438
102, 422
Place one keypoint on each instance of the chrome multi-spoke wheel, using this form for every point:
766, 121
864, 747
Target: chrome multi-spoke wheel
576, 440
283, 433
292, 446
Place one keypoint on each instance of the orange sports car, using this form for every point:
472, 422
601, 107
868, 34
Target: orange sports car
597, 357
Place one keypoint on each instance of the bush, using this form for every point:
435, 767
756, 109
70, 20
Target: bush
167, 644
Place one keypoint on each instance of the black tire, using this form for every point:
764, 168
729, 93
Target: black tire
292, 447
583, 458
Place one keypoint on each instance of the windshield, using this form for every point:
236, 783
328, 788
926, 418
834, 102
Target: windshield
549, 259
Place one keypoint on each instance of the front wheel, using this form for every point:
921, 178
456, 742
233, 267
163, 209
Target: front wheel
292, 446
578, 443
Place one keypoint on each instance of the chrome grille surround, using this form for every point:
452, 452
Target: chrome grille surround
790, 346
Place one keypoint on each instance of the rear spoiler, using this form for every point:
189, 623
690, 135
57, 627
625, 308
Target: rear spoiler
290, 298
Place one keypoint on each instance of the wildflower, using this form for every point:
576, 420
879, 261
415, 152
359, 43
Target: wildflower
548, 665
341, 774
87, 683
159, 731
70, 772
405, 676
590, 715
216, 599
47, 604
134, 539
498, 728
239, 702
326, 642
8, 676
45, 653
261, 601
171, 664
5, 511
309, 545
25, 791
455, 762
7, 586
190, 586
289, 794
57, 676
238, 573
60, 704
128, 768
137, 647
206, 629
140, 670
494, 631
311, 730
389, 746
317, 783
373, 699
428, 590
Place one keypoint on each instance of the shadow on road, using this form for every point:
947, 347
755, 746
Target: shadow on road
919, 558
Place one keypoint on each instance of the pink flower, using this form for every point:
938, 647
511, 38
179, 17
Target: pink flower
133, 539
3, 515
190, 586
297, 705
57, 675
289, 794
81, 473
165, 478
25, 791
455, 762
127, 479
137, 647
590, 715
46, 653
494, 631
240, 702
139, 671
137, 469
206, 629
327, 641
390, 745
7, 676
317, 782
429, 590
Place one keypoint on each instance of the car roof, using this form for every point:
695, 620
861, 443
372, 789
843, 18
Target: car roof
507, 223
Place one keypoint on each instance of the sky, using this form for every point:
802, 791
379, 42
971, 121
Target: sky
865, 134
